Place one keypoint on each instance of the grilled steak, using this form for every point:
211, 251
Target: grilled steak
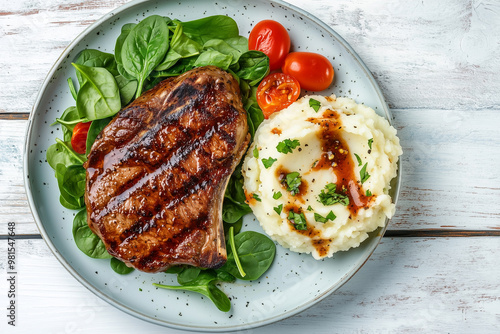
156, 175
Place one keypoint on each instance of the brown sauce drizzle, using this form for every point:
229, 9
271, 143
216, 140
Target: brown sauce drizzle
276, 131
322, 245
250, 199
281, 173
336, 156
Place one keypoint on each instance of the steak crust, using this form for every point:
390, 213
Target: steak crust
157, 173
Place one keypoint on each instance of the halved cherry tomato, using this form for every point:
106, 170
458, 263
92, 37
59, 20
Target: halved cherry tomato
312, 70
79, 137
277, 91
271, 38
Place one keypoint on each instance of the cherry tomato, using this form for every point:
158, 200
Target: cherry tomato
312, 70
79, 137
277, 91
271, 38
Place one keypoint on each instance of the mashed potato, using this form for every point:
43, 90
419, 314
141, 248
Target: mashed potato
317, 174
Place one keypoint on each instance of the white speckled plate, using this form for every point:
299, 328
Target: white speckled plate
294, 281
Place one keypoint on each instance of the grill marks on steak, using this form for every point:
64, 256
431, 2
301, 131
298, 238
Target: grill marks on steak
156, 175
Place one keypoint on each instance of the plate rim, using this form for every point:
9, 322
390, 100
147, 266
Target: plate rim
139, 315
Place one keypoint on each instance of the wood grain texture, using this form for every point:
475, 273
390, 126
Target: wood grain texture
14, 116
407, 286
13, 200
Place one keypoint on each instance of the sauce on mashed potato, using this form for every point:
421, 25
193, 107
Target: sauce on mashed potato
318, 173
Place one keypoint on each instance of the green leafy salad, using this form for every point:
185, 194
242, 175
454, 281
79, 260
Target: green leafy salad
146, 53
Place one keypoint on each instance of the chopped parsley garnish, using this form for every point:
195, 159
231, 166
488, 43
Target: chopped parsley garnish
293, 180
328, 196
286, 146
320, 219
278, 209
298, 220
370, 141
314, 163
268, 162
309, 208
256, 152
359, 159
363, 174
368, 193
315, 104
331, 215
277, 195
256, 197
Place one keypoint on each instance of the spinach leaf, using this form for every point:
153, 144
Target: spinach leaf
144, 48
224, 48
67, 199
209, 290
68, 120
254, 117
86, 240
125, 31
256, 253
126, 87
180, 67
119, 267
239, 43
234, 206
207, 28
65, 163
71, 203
224, 276
188, 275
152, 81
95, 58
73, 180
233, 211
174, 269
61, 153
253, 66
99, 97
213, 57
72, 88
205, 285
95, 128
254, 113
181, 46
237, 225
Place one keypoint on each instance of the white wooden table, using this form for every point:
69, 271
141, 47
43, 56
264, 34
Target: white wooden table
438, 267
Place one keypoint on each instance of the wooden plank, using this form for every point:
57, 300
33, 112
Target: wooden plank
450, 174
440, 285
14, 116
438, 233
13, 200
419, 52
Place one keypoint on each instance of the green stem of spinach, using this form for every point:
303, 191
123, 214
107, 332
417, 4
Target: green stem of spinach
70, 150
140, 81
76, 121
233, 248
72, 88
